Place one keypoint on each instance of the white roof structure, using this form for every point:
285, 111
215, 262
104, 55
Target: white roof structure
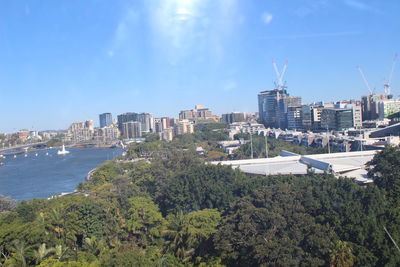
347, 164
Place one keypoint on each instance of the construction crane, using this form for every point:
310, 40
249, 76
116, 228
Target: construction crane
387, 84
371, 92
279, 74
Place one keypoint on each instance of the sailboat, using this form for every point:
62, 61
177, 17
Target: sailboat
63, 151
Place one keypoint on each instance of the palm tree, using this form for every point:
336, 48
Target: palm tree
20, 250
93, 245
342, 255
60, 251
56, 222
179, 236
42, 252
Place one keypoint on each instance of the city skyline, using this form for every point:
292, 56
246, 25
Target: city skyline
64, 62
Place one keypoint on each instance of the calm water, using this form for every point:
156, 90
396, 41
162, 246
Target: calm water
44, 175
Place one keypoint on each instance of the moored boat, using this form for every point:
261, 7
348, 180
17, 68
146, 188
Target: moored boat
63, 151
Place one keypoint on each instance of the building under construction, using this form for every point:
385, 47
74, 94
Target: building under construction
273, 104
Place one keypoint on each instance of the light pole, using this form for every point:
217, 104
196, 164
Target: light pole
266, 145
251, 145
327, 135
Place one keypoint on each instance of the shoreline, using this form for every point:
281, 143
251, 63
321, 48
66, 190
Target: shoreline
114, 153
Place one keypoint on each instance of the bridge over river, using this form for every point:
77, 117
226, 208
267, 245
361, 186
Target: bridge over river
21, 148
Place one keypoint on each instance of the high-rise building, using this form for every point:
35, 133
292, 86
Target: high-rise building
157, 125
126, 117
233, 117
146, 119
81, 131
167, 134
357, 115
388, 107
338, 119
165, 122
107, 133
294, 118
268, 107
132, 129
306, 117
273, 106
184, 127
370, 105
105, 119
199, 113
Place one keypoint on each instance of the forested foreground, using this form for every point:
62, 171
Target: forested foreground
176, 210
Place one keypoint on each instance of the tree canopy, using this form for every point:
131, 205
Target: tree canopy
174, 209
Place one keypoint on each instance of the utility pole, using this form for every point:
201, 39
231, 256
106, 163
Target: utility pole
327, 135
251, 145
266, 145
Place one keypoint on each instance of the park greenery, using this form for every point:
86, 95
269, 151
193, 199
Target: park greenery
164, 205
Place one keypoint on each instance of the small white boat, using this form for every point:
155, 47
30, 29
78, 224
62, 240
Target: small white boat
25, 155
63, 151
36, 154
47, 153
15, 156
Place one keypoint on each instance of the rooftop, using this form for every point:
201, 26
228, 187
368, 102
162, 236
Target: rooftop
345, 164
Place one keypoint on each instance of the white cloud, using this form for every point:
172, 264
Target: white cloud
192, 27
180, 29
266, 17
177, 21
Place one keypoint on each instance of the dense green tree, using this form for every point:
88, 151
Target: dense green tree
20, 251
172, 209
146, 220
272, 227
386, 171
188, 235
152, 137
199, 187
42, 252
342, 255
105, 173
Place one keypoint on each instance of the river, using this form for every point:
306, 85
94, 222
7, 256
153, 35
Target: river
43, 176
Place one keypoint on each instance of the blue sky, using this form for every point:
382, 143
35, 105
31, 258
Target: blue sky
69, 60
